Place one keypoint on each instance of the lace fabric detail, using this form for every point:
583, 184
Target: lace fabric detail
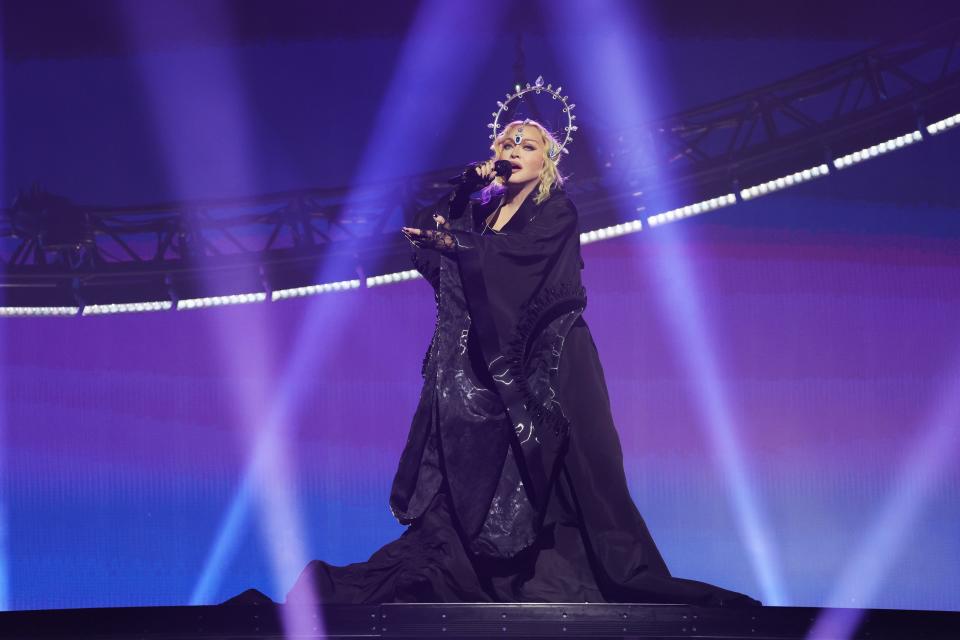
436, 239
436, 330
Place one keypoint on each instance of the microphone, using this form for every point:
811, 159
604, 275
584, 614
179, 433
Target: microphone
469, 177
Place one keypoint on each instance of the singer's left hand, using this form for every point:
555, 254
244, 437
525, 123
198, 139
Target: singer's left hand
415, 236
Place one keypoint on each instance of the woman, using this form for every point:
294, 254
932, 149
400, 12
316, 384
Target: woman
512, 476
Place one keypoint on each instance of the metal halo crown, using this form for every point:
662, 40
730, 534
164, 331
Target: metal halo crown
537, 88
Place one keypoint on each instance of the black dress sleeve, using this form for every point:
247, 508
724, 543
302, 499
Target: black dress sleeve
503, 273
536, 241
424, 260
451, 206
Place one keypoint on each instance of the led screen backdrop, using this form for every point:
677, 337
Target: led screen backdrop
833, 344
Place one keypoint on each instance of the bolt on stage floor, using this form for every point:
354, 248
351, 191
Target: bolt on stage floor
471, 621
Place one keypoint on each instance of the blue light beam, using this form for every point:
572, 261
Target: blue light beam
408, 127
203, 124
607, 57
935, 451
4, 522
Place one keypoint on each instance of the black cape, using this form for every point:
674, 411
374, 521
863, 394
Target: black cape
512, 478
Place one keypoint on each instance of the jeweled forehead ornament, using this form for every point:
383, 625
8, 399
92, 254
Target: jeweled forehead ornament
518, 136
537, 88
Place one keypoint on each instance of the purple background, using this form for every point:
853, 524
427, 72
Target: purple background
829, 314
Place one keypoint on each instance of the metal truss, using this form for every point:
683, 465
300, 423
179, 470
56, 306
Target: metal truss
54, 252
808, 119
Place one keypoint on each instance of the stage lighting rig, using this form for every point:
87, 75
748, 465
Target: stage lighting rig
51, 223
58, 256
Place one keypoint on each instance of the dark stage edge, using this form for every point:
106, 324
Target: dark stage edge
468, 621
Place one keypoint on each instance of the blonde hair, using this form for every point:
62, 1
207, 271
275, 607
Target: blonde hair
549, 175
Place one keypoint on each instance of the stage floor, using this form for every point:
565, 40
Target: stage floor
470, 621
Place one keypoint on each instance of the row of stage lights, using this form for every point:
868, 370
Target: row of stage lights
181, 305
596, 235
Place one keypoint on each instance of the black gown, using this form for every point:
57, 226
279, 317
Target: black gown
511, 480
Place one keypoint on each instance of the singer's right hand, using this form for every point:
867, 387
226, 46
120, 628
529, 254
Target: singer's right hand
485, 170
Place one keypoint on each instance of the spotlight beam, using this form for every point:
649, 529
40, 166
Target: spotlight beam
399, 123
680, 300
935, 450
210, 91
624, 93
4, 526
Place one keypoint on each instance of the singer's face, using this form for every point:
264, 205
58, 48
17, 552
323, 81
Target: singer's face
526, 158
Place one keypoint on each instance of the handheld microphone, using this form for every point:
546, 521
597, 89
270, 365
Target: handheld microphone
469, 177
